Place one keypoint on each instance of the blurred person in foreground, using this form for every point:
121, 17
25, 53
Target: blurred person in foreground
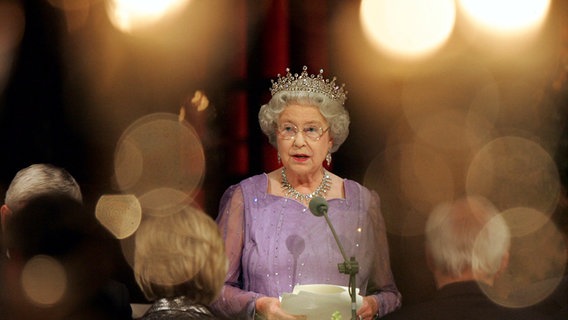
43, 179
467, 247
272, 240
58, 267
38, 179
180, 265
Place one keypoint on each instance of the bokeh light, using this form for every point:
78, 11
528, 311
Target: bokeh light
522, 110
508, 16
536, 266
127, 244
438, 105
426, 178
160, 152
163, 201
130, 15
44, 280
515, 172
387, 183
120, 214
523, 221
407, 28
411, 179
200, 101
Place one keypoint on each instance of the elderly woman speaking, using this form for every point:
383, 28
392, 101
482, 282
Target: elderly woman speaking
272, 241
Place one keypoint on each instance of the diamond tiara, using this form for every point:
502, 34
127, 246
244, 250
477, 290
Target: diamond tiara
311, 83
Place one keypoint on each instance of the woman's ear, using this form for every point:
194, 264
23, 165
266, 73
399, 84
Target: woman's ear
5, 213
504, 264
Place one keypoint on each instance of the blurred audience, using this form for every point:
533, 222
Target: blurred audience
58, 267
467, 247
42, 210
180, 264
557, 302
35, 180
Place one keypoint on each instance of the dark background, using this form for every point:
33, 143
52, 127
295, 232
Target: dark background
73, 89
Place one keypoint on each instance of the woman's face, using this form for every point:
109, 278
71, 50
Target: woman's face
305, 152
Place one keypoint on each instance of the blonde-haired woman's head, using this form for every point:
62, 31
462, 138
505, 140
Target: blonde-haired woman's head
180, 255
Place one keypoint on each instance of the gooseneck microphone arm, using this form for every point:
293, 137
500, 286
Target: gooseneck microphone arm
318, 207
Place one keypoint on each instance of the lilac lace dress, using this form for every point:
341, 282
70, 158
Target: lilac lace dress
274, 243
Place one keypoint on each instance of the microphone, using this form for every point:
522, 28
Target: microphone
318, 207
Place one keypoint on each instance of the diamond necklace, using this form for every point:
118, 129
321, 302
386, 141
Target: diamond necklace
320, 191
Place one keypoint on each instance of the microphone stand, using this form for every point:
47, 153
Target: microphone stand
348, 266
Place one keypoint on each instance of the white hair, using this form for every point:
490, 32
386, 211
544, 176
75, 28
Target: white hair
468, 234
40, 179
332, 110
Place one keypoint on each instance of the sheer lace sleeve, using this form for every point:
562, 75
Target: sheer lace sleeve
234, 302
382, 284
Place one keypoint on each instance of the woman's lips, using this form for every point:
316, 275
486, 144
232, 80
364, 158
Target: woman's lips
300, 157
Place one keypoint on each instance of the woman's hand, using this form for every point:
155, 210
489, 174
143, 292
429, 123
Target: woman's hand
369, 308
268, 308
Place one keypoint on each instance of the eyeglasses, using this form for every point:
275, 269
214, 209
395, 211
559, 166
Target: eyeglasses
289, 131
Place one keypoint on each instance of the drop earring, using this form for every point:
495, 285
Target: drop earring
328, 158
279, 160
